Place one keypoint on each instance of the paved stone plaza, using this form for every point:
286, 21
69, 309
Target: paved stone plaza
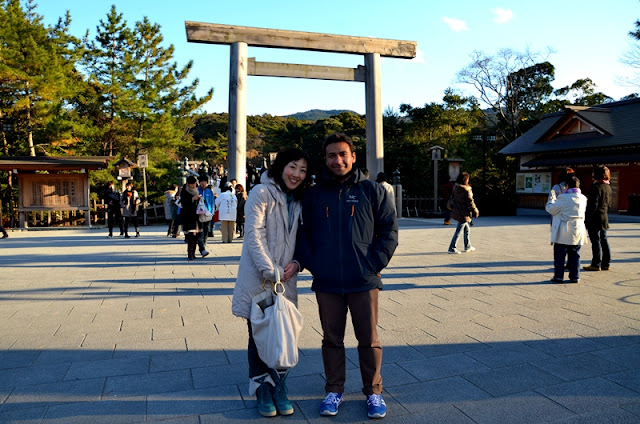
96, 330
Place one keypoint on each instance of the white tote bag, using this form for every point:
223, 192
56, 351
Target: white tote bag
276, 324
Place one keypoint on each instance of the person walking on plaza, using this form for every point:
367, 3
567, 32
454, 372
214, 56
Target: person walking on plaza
463, 210
4, 232
272, 217
114, 212
227, 204
242, 198
170, 208
209, 203
568, 232
189, 197
130, 203
597, 219
349, 233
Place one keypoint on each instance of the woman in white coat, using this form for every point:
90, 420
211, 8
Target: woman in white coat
272, 215
227, 204
568, 232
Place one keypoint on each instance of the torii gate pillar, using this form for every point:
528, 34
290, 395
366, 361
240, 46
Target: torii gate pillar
239, 38
375, 147
237, 145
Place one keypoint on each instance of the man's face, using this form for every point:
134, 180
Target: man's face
203, 184
339, 158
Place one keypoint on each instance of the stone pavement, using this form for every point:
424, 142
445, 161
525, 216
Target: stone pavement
126, 331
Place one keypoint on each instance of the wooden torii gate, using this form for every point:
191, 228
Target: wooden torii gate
239, 38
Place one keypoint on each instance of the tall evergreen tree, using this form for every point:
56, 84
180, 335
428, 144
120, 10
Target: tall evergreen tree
37, 70
110, 65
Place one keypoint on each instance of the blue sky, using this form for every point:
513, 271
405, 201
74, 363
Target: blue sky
588, 38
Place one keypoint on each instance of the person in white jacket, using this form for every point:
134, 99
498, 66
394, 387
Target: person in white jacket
227, 204
568, 232
272, 217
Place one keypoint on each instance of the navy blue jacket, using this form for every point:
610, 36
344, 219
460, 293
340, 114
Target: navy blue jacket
348, 234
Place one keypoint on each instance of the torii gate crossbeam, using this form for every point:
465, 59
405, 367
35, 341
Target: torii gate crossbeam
239, 38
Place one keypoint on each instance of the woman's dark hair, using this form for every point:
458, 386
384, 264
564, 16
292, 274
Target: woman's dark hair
573, 182
191, 179
601, 173
463, 178
565, 174
381, 177
282, 160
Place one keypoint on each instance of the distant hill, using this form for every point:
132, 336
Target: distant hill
316, 114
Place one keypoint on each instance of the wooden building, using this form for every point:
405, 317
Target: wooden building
48, 184
581, 137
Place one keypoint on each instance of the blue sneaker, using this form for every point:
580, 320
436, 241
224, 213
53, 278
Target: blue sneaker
376, 406
330, 404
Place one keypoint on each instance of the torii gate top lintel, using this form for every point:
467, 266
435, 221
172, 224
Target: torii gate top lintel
200, 32
239, 38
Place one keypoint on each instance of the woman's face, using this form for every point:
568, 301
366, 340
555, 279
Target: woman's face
294, 173
192, 186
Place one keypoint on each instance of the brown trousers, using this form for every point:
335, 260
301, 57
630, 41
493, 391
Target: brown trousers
364, 316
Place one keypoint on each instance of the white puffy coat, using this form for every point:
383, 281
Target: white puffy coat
268, 244
227, 204
568, 212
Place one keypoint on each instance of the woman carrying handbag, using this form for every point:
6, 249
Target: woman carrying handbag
272, 215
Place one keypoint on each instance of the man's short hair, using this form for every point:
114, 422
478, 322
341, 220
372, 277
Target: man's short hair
338, 138
203, 178
191, 179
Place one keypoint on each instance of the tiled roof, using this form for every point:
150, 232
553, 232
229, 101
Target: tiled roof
618, 121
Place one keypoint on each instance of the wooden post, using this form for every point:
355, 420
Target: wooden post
375, 149
238, 113
87, 213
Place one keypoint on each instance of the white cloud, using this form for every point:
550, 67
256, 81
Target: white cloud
455, 24
502, 16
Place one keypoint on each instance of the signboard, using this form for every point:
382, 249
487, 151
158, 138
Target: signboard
143, 161
533, 182
53, 192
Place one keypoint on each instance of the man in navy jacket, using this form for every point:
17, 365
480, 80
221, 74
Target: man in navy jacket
348, 235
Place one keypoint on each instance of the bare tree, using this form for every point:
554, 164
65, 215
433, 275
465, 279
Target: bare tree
508, 83
632, 59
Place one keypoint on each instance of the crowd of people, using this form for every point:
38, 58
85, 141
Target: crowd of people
343, 229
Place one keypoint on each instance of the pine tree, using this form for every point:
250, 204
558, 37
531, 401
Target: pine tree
110, 66
37, 70
165, 105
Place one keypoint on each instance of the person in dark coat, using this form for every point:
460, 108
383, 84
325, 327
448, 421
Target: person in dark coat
114, 210
242, 199
130, 203
464, 208
597, 219
189, 197
349, 234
